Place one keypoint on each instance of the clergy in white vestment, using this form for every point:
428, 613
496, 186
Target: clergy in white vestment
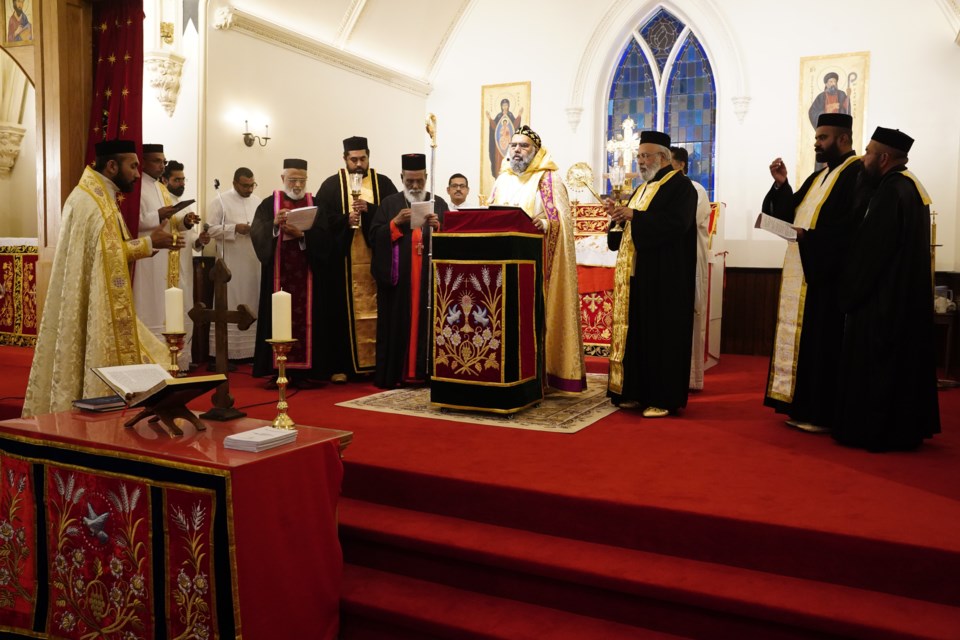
153, 277
680, 163
89, 318
530, 179
230, 215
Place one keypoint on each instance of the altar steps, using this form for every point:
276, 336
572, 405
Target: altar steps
429, 575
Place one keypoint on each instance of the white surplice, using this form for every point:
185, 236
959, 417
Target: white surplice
700, 293
224, 214
150, 276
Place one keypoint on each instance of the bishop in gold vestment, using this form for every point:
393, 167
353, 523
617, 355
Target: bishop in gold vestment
529, 180
89, 318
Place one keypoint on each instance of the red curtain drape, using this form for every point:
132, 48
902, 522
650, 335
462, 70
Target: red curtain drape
117, 109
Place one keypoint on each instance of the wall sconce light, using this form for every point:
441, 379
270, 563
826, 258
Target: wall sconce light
248, 137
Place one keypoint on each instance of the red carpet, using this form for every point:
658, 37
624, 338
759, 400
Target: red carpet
719, 523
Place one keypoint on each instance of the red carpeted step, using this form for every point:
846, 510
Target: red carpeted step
402, 607
666, 593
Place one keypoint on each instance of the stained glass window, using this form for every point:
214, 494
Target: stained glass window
691, 107
684, 100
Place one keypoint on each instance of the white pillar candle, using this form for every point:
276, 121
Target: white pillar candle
173, 297
281, 316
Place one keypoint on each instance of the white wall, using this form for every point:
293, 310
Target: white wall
755, 48
18, 191
310, 107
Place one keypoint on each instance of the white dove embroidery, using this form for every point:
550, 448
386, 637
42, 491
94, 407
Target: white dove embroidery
480, 316
95, 524
454, 315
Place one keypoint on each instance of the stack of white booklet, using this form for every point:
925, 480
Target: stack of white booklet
260, 439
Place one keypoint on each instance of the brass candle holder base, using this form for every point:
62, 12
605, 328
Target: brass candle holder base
280, 349
175, 346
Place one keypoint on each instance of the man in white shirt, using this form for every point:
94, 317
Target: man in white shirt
230, 215
458, 189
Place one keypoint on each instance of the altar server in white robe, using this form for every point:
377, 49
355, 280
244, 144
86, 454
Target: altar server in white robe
230, 215
153, 277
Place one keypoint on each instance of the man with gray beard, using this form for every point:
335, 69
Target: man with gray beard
653, 285
402, 270
284, 264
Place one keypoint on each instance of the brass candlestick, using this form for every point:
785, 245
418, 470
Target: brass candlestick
175, 346
280, 349
616, 191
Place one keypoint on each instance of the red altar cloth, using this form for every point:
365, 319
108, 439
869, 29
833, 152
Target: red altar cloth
266, 561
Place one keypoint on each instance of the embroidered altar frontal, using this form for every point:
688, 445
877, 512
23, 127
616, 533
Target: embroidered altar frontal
18, 303
487, 321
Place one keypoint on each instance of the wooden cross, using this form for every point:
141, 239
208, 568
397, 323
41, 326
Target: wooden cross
220, 317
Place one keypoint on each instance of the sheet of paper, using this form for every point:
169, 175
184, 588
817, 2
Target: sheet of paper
302, 218
418, 213
775, 226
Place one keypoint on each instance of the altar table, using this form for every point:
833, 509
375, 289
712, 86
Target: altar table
123, 533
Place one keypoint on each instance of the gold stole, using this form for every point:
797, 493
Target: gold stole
115, 273
924, 196
793, 289
361, 287
621, 284
173, 255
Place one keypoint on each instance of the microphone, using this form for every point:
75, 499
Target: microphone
216, 183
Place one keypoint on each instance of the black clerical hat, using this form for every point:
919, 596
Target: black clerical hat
153, 148
295, 163
530, 133
655, 137
842, 120
113, 147
893, 138
832, 74
413, 162
355, 143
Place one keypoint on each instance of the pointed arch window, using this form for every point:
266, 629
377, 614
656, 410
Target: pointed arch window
664, 81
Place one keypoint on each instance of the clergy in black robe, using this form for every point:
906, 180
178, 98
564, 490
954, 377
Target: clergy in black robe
654, 285
348, 317
285, 264
402, 270
888, 394
802, 380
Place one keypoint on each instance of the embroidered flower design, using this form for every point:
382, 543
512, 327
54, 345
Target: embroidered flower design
116, 567
200, 583
6, 530
78, 557
116, 596
68, 621
60, 563
183, 581
138, 585
4, 576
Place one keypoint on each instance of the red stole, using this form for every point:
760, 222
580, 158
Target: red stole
416, 264
292, 273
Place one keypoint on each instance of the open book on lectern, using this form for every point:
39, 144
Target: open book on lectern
139, 383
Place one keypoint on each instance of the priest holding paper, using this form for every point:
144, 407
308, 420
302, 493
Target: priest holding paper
803, 377
282, 237
89, 318
399, 237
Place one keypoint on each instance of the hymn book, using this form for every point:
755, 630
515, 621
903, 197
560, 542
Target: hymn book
776, 226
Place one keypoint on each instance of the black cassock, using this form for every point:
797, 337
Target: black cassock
265, 245
821, 251
656, 359
391, 269
333, 266
888, 395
